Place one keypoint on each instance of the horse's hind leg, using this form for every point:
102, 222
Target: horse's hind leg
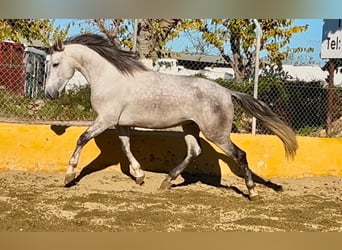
191, 132
134, 166
239, 156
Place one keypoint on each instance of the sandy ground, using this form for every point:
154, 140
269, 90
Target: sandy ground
109, 200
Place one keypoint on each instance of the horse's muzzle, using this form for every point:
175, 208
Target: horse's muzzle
51, 94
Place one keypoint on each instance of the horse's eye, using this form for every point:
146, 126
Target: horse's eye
55, 65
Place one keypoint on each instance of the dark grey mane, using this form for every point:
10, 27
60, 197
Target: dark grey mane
125, 61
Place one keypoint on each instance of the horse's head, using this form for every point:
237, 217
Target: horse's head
60, 69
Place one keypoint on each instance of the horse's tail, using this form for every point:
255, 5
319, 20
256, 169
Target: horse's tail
262, 112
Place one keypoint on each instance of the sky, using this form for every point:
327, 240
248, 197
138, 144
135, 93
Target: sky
310, 38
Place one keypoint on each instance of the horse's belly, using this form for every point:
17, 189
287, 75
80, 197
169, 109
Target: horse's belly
152, 119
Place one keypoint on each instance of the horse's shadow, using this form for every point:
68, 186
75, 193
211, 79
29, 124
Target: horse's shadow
153, 153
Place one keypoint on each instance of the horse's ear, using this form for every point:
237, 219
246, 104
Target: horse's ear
58, 46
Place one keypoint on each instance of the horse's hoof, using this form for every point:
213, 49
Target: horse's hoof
69, 180
139, 180
253, 195
166, 184
279, 189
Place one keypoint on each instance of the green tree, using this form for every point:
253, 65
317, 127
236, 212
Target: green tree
241, 36
152, 34
238, 34
30, 30
116, 30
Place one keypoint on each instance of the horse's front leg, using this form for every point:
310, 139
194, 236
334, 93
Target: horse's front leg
134, 166
97, 128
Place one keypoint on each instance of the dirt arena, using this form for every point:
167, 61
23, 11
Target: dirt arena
109, 200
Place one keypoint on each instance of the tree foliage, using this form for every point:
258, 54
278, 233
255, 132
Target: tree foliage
116, 30
152, 34
30, 30
234, 39
240, 35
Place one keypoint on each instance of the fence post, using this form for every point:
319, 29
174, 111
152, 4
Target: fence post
256, 73
135, 32
330, 94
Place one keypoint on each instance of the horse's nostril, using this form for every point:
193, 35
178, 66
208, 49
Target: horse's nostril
49, 95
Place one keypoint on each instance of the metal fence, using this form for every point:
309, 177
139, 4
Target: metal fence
301, 102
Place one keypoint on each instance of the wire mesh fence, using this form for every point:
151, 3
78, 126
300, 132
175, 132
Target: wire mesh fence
301, 101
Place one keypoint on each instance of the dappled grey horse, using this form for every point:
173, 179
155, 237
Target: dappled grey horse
124, 94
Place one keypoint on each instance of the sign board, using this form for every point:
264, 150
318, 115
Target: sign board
331, 39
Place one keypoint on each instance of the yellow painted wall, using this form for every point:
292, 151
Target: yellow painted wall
48, 148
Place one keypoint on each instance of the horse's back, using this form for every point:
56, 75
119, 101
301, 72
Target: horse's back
161, 100
178, 86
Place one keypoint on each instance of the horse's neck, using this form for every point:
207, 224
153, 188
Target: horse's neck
88, 62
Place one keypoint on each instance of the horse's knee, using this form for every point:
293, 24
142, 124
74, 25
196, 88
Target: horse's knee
83, 139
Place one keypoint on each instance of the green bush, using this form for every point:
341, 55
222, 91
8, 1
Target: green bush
302, 105
308, 131
72, 106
